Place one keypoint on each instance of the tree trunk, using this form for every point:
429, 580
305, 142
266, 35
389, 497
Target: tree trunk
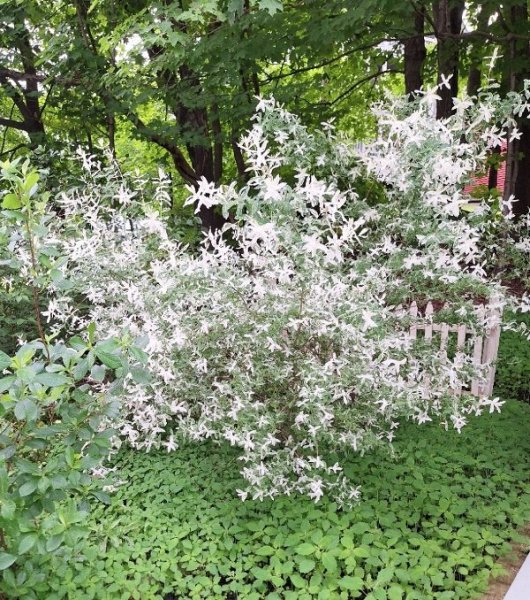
493, 173
205, 157
522, 179
415, 54
193, 122
217, 133
239, 159
518, 157
448, 20
33, 115
25, 97
474, 80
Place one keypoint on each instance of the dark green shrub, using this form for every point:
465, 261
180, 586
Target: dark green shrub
53, 433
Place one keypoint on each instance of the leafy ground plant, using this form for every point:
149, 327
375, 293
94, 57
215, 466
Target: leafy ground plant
433, 519
513, 367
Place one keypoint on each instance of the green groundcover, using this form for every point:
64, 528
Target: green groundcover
433, 519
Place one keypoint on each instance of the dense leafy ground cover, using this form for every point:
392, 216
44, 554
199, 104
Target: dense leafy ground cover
431, 523
512, 379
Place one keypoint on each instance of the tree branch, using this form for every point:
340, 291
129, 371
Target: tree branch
358, 83
13, 124
15, 95
181, 164
12, 150
36, 77
324, 63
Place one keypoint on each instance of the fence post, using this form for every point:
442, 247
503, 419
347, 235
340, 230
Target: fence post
413, 313
460, 344
491, 347
476, 387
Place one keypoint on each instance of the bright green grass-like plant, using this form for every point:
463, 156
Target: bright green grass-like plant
432, 523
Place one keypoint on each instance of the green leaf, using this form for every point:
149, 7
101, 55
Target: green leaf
9, 451
54, 542
305, 549
103, 497
260, 574
44, 484
25, 353
69, 456
298, 581
31, 180
7, 382
80, 370
306, 565
27, 543
91, 329
27, 488
361, 552
141, 375
271, 6
51, 379
5, 360
6, 560
26, 410
139, 354
4, 480
26, 374
110, 360
329, 562
351, 583
77, 343
24, 465
395, 592
11, 202
98, 373
437, 579
360, 527
8, 509
385, 575
265, 551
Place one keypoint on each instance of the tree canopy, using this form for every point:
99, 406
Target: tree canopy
173, 84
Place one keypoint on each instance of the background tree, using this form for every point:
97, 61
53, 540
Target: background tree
177, 79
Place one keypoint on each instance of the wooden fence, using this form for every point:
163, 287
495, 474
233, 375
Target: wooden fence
484, 348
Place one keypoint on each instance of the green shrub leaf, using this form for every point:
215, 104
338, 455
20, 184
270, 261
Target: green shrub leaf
6, 560
51, 379
5, 361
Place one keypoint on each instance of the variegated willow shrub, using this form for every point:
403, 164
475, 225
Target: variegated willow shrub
279, 334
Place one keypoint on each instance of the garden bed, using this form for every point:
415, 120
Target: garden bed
512, 564
431, 524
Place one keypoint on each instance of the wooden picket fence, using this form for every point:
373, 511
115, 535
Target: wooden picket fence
484, 348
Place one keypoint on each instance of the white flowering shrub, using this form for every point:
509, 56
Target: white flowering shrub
280, 334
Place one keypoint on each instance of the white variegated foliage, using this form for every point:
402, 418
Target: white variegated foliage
279, 334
